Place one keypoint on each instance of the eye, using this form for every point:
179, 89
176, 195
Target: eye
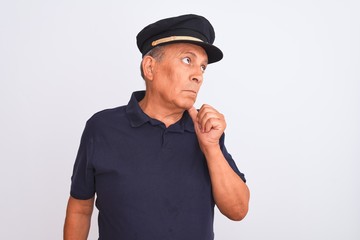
203, 68
186, 60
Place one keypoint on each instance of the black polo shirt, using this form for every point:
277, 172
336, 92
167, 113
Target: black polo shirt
151, 182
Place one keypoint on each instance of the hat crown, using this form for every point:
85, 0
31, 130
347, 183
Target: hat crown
188, 28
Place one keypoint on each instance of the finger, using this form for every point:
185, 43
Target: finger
205, 110
208, 119
194, 117
193, 114
206, 113
213, 124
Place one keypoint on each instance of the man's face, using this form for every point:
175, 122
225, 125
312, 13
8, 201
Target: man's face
179, 75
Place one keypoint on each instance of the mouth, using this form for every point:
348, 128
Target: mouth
191, 91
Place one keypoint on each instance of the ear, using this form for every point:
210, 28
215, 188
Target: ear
148, 64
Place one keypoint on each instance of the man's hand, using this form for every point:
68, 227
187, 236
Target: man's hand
209, 125
230, 193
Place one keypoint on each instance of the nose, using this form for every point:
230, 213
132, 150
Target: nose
197, 76
197, 79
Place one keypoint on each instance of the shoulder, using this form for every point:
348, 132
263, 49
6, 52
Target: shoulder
107, 117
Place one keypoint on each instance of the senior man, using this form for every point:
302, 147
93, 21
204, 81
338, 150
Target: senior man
158, 166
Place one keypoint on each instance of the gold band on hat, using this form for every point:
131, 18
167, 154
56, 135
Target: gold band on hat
174, 38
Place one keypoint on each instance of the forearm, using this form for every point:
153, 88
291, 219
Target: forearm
230, 193
77, 221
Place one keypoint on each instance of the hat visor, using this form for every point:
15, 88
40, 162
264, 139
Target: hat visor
213, 52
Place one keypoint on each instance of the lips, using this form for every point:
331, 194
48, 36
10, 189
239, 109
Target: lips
191, 91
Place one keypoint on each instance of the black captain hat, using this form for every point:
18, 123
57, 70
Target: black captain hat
189, 28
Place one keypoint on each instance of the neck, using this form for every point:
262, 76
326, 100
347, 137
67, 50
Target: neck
159, 112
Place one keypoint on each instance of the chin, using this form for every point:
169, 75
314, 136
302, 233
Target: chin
187, 105
184, 103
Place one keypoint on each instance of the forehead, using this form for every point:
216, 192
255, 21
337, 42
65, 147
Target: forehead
183, 48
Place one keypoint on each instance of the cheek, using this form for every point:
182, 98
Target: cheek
173, 82
176, 83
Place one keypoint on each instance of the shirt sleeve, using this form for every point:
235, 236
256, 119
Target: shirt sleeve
82, 180
229, 158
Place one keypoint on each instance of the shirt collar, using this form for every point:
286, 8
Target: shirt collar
137, 117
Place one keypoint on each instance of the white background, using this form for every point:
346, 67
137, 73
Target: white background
288, 86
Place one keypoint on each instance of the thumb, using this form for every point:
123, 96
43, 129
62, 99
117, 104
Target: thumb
193, 114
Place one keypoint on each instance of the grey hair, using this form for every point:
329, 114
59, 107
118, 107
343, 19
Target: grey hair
157, 53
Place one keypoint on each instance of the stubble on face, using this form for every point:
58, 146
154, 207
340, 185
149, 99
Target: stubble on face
179, 76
